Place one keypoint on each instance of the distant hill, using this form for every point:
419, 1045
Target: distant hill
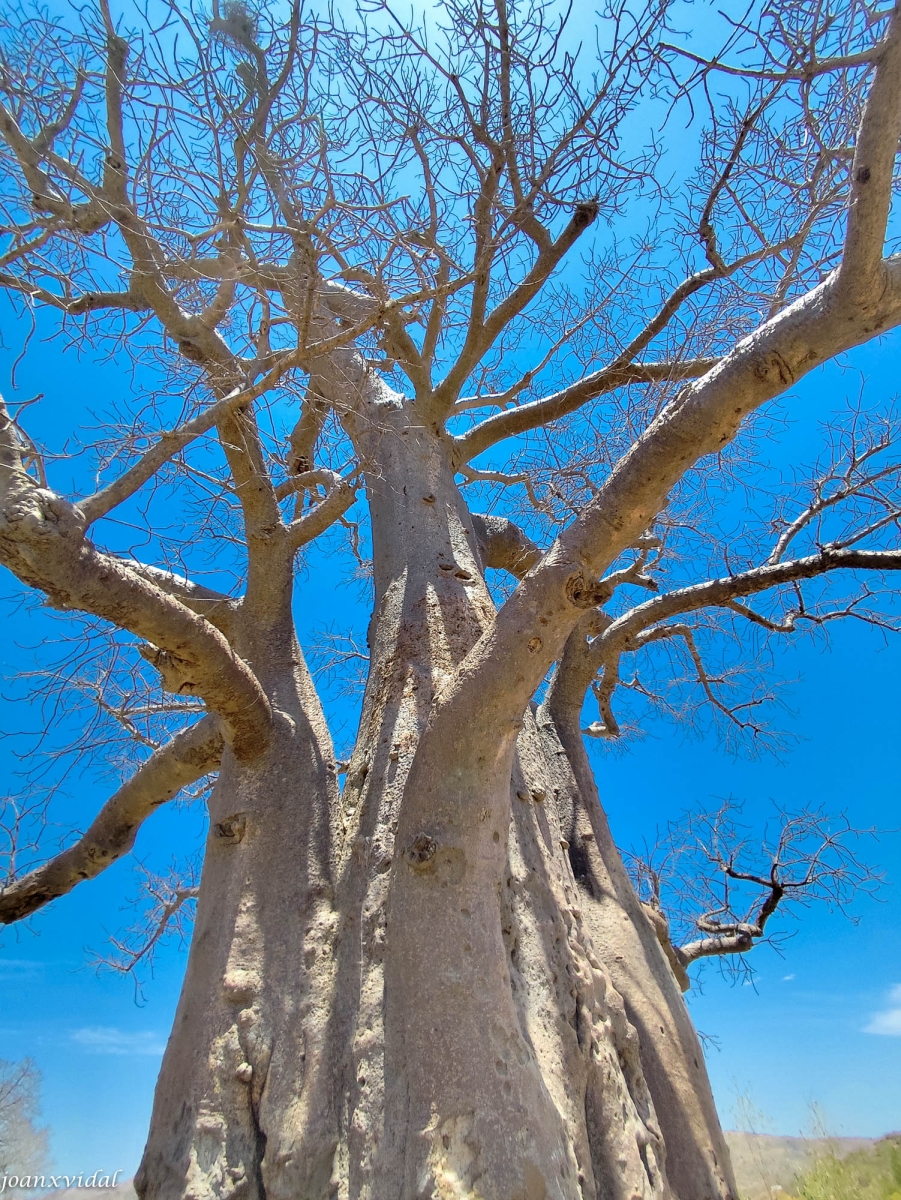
764, 1162
122, 1191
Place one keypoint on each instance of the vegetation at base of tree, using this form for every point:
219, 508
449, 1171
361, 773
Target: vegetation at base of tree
873, 1174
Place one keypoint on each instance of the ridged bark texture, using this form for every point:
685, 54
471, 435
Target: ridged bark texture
408, 992
672, 1061
239, 1087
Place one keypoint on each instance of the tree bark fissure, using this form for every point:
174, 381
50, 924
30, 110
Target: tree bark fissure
672, 1060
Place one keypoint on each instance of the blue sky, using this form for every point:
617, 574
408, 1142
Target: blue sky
821, 1024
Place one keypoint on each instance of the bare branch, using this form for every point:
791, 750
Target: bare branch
42, 542
810, 70
168, 902
726, 591
171, 443
707, 874
542, 412
213, 606
341, 495
702, 419
872, 170
482, 334
191, 754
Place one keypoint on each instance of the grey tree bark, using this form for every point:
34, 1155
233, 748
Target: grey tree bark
437, 981
431, 1012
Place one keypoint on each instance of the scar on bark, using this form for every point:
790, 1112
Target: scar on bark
232, 829
584, 592
422, 852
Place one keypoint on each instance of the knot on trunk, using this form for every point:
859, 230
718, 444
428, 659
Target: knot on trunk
175, 672
584, 592
39, 513
232, 829
585, 213
421, 853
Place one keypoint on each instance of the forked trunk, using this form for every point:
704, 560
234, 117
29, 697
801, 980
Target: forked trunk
416, 996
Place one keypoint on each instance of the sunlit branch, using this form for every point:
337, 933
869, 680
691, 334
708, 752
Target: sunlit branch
727, 590
187, 757
483, 333
503, 546
872, 170
340, 495
804, 74
542, 412
42, 542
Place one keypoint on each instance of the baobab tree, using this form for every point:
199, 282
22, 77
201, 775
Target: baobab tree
434, 286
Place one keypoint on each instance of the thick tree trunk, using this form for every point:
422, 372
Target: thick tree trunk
241, 1083
518, 1073
697, 1157
407, 992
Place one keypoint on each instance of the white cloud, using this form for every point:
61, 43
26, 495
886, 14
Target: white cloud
101, 1039
787, 978
888, 1021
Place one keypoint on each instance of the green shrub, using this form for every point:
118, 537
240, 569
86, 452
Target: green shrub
873, 1174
